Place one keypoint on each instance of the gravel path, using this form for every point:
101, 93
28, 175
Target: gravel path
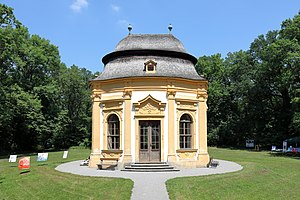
148, 185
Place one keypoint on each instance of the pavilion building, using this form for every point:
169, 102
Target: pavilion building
149, 104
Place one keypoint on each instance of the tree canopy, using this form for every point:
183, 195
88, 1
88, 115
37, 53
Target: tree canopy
44, 104
254, 94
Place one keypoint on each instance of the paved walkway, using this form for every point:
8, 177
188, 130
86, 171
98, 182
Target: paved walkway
149, 185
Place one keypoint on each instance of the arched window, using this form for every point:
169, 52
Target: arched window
113, 136
185, 133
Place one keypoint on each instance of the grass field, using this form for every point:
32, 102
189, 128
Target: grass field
44, 182
264, 176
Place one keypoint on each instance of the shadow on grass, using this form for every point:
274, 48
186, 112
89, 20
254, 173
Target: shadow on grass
25, 172
286, 155
243, 148
1, 180
42, 164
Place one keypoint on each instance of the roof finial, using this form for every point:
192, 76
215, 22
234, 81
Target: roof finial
170, 28
129, 29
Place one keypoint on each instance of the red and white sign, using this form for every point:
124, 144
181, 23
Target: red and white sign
24, 163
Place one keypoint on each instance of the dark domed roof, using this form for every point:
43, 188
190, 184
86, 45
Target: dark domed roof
150, 41
130, 55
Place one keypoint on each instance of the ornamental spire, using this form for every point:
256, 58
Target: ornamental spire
170, 27
129, 29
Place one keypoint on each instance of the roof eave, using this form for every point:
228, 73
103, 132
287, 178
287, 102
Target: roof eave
144, 52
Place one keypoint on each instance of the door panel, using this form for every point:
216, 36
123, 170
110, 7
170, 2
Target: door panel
149, 141
144, 144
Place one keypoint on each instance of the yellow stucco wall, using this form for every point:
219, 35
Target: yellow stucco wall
181, 96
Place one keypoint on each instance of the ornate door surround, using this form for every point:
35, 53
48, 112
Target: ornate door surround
149, 129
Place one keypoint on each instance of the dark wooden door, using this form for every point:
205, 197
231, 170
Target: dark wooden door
149, 141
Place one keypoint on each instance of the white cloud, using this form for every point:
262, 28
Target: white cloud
115, 8
77, 5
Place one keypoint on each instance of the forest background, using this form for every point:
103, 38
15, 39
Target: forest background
44, 104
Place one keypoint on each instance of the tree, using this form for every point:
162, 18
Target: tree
278, 55
21, 119
7, 17
75, 94
212, 68
254, 94
42, 102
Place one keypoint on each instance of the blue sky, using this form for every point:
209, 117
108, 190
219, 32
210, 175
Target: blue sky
86, 30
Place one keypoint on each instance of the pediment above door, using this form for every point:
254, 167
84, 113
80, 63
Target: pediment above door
149, 106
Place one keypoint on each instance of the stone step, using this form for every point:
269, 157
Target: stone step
150, 170
149, 167
145, 167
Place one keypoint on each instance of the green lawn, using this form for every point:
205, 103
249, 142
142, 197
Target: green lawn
44, 182
264, 177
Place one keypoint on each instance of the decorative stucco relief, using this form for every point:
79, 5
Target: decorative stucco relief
127, 94
189, 154
112, 105
186, 104
202, 95
111, 153
149, 106
96, 97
